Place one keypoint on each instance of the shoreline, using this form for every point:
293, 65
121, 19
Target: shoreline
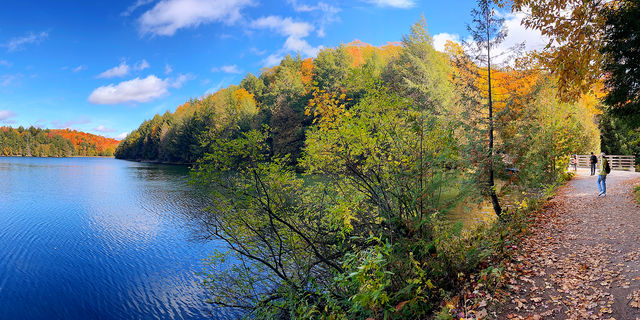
158, 162
2, 156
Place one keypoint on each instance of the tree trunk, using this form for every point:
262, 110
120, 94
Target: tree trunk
492, 189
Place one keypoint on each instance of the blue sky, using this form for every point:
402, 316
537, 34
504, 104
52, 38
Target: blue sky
105, 66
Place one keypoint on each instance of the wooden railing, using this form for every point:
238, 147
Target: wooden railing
617, 162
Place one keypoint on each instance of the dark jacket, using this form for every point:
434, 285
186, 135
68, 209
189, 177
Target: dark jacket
594, 159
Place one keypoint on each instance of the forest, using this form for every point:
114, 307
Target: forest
36, 142
331, 179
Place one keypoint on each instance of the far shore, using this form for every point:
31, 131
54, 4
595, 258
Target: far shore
3, 156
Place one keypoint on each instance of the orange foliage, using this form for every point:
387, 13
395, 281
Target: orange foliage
306, 71
81, 140
360, 52
182, 108
511, 86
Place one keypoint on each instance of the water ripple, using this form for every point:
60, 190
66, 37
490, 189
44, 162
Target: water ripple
89, 238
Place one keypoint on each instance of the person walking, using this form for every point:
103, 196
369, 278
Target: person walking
602, 176
593, 160
574, 162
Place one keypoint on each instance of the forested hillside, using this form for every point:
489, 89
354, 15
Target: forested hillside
36, 142
277, 98
287, 98
399, 135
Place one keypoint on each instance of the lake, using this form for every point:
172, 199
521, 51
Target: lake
98, 238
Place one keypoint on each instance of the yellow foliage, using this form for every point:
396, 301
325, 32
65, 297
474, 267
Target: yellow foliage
508, 87
244, 101
591, 100
326, 108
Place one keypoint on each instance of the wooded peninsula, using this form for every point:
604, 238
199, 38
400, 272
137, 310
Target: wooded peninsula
36, 142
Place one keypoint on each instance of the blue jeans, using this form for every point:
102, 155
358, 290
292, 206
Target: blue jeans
602, 184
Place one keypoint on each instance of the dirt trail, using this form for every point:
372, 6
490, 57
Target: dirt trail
582, 259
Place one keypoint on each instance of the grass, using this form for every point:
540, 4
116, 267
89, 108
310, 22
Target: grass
636, 193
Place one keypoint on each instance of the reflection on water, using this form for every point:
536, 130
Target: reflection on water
87, 238
472, 215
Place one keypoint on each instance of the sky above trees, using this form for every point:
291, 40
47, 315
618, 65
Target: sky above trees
105, 66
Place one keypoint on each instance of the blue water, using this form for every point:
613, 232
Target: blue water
90, 238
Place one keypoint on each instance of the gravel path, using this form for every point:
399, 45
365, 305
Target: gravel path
582, 258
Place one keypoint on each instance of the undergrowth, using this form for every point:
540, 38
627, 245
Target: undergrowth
479, 255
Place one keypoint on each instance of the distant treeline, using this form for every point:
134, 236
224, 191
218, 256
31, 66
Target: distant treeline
36, 142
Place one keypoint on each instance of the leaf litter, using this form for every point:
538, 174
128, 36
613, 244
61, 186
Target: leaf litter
581, 258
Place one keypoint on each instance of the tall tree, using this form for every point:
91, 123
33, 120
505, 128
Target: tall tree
575, 30
421, 73
488, 31
621, 125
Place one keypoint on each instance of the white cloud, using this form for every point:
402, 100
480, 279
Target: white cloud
440, 40
302, 46
180, 80
298, 7
6, 63
227, 69
5, 115
142, 65
403, 4
120, 70
273, 59
136, 90
516, 35
79, 68
133, 7
167, 69
123, 69
121, 136
328, 13
284, 26
103, 129
168, 16
19, 43
295, 33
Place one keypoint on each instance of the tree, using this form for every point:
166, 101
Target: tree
487, 30
331, 67
421, 73
622, 61
317, 247
575, 29
620, 125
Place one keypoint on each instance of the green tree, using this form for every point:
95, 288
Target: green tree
422, 73
321, 246
331, 67
488, 32
621, 124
